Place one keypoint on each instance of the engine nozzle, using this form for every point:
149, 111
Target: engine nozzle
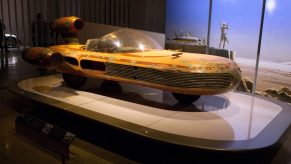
67, 27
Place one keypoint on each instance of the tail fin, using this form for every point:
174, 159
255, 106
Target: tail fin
67, 27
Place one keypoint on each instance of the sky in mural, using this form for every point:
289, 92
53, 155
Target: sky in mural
243, 19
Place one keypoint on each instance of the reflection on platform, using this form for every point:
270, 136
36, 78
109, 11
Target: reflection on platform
3, 61
228, 117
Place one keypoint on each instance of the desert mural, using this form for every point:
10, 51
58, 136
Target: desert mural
237, 23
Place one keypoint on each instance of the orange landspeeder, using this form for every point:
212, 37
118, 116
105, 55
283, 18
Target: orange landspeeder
131, 56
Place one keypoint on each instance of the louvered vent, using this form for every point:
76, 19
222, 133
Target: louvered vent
170, 78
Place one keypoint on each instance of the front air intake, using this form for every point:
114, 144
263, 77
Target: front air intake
93, 65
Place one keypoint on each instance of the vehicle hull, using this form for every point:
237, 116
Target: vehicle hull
193, 74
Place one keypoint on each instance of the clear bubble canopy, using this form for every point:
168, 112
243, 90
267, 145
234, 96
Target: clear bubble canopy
121, 41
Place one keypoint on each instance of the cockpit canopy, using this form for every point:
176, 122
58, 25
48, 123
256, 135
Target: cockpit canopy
121, 41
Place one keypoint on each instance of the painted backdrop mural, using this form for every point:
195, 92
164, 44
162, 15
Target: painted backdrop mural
243, 21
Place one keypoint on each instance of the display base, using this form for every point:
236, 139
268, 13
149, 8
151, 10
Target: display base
226, 122
51, 137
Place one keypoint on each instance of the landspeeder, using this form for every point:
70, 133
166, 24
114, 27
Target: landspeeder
133, 57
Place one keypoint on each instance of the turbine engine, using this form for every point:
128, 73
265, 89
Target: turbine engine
67, 27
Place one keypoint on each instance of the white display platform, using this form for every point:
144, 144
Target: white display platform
226, 117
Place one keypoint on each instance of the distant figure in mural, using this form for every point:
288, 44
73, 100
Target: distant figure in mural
2, 37
223, 37
39, 32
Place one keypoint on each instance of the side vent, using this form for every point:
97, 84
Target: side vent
93, 65
71, 60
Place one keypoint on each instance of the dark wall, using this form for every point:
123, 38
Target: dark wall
148, 15
140, 14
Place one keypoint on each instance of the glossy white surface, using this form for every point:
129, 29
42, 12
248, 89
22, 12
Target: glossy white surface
230, 116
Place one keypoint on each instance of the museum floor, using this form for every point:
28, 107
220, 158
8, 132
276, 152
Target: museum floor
15, 148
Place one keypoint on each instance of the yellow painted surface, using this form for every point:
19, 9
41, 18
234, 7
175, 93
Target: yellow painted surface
157, 59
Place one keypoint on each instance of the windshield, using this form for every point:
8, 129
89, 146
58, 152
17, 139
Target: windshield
124, 40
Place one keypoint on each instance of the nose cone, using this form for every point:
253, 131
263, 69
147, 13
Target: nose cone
35, 55
32, 55
42, 57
